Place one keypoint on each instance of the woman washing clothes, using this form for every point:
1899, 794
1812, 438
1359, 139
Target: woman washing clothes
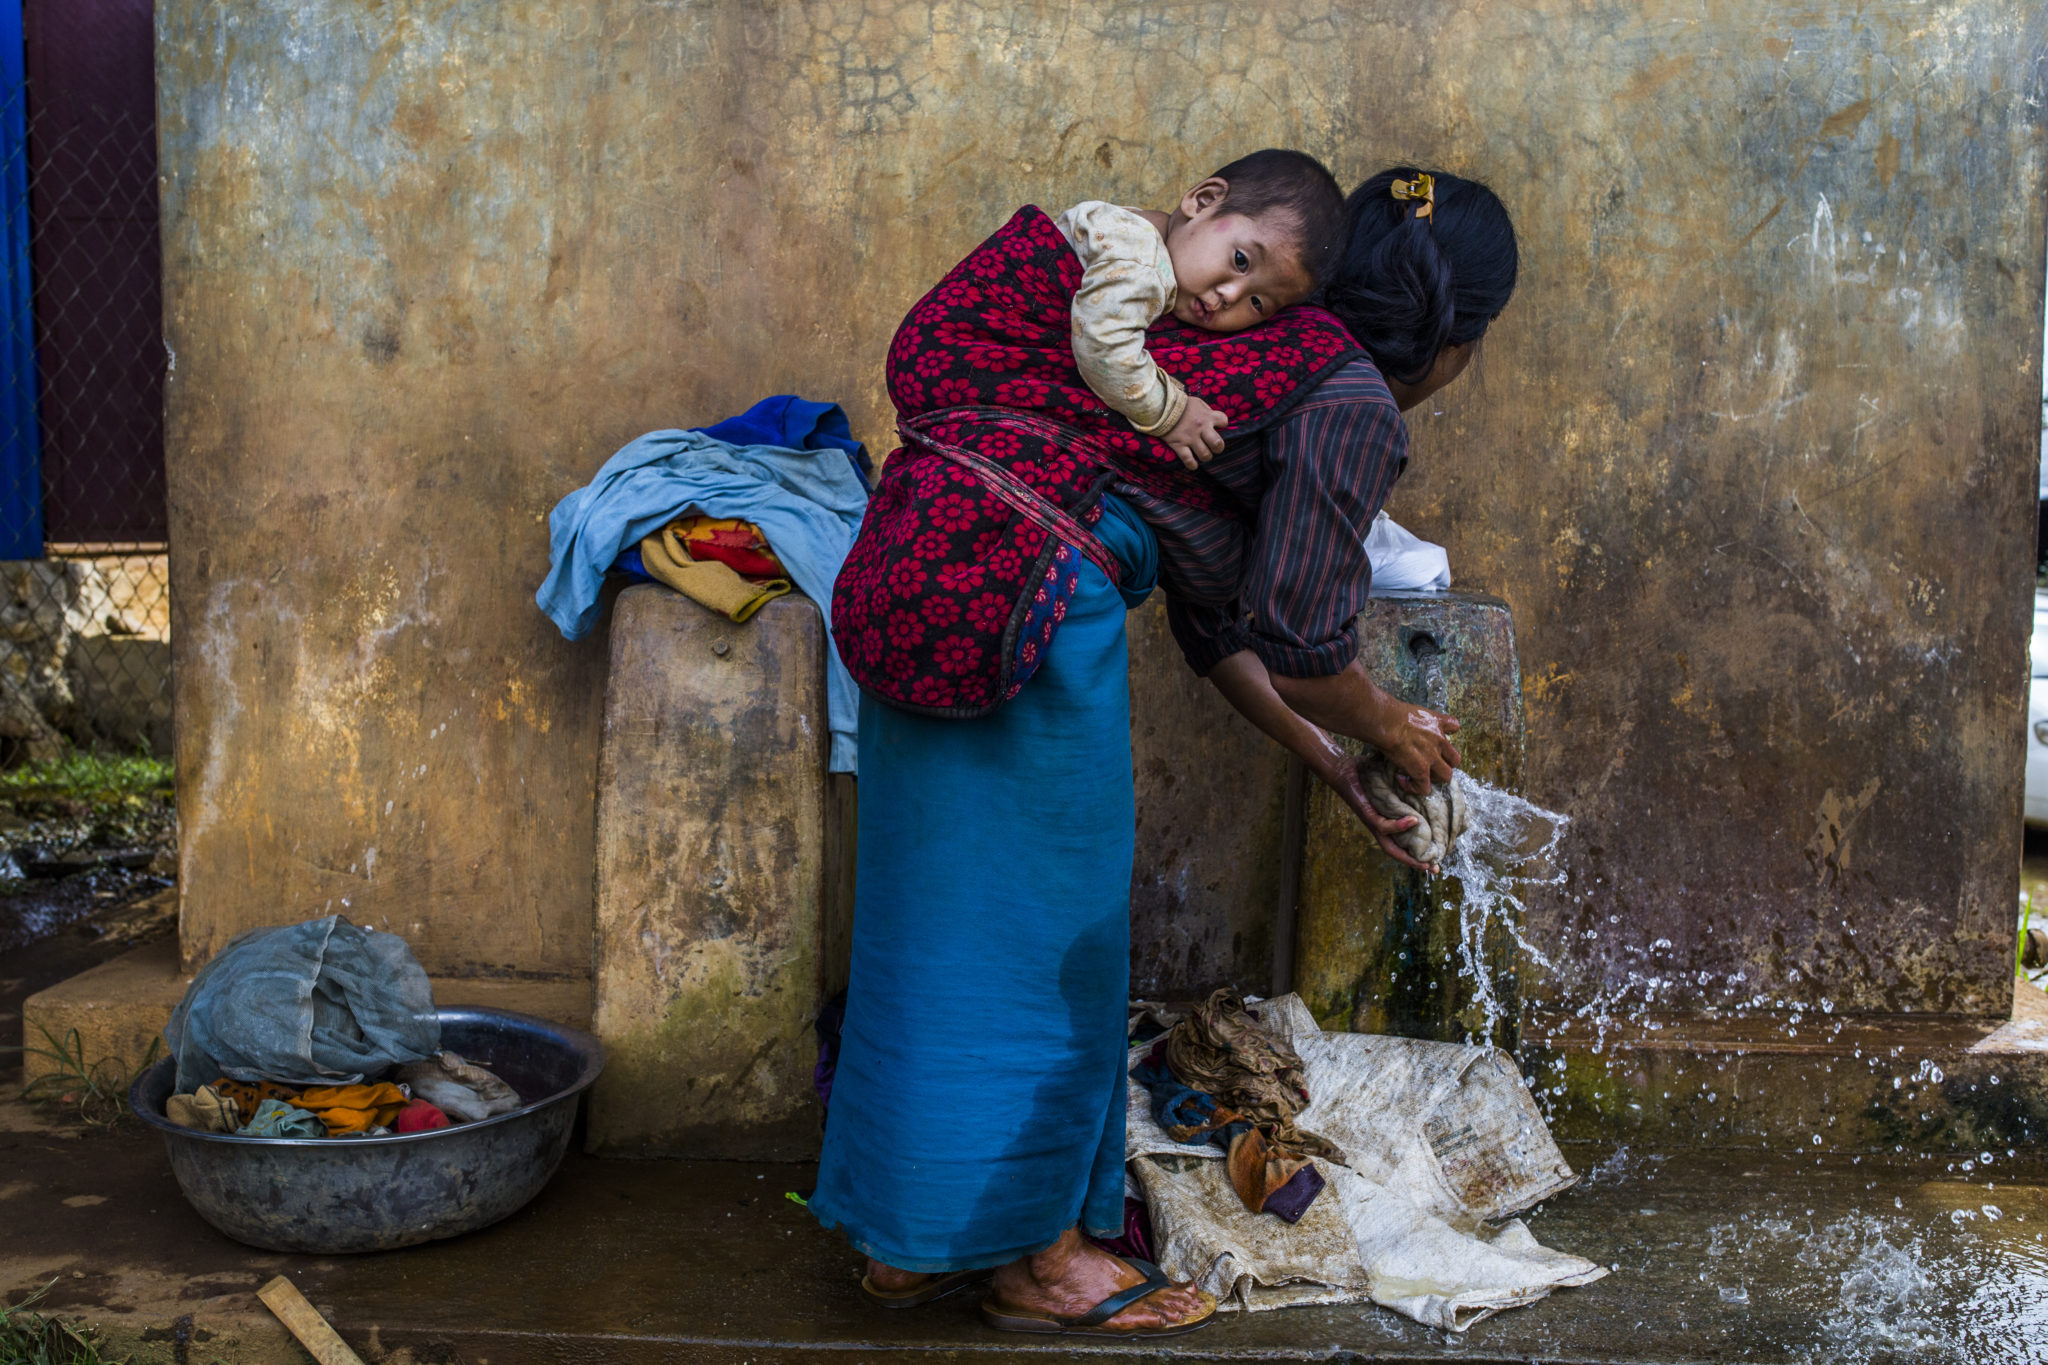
976, 1128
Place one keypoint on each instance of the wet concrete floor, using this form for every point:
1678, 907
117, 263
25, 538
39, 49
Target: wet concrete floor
1719, 1256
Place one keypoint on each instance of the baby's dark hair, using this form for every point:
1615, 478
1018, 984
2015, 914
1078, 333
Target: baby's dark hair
1296, 186
1409, 285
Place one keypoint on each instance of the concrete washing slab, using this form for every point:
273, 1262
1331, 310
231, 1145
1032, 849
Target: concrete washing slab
1719, 1257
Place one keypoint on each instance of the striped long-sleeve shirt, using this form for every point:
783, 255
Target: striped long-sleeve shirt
1287, 581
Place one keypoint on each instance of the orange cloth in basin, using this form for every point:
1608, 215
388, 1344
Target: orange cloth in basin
353, 1108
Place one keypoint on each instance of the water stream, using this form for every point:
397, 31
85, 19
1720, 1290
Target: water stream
1508, 847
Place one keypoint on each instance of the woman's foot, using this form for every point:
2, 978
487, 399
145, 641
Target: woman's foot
893, 1288
1071, 1276
890, 1280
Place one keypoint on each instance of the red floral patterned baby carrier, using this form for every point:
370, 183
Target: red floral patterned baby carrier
972, 543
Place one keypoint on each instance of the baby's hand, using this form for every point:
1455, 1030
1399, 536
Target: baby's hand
1198, 436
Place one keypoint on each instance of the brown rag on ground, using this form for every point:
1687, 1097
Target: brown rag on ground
1259, 1167
1221, 1050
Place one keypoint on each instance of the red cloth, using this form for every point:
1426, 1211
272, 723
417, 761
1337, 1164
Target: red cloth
737, 544
945, 572
417, 1117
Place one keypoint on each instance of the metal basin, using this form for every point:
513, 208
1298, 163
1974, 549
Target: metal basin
376, 1193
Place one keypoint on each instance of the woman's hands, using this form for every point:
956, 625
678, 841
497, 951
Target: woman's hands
1343, 778
1415, 739
1245, 684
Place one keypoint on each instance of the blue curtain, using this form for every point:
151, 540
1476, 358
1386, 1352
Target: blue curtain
21, 461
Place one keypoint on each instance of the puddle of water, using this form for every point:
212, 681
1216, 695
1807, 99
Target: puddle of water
36, 908
1877, 1292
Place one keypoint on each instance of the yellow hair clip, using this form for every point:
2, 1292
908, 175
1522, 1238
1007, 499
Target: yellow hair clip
1422, 187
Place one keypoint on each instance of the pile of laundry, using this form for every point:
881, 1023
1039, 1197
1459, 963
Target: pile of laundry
320, 1030
1274, 1164
1215, 1077
437, 1093
732, 516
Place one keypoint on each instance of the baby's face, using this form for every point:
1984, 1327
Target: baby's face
1232, 271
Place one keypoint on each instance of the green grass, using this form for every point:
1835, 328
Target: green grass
98, 1089
38, 1339
89, 775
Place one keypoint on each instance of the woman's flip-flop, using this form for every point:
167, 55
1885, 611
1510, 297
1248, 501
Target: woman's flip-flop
1090, 1323
925, 1290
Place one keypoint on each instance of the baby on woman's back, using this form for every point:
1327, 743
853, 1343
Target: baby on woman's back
1250, 240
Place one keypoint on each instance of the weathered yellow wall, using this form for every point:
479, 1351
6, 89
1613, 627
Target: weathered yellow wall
1751, 455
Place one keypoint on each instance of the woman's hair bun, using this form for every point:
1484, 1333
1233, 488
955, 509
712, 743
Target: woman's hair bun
1411, 282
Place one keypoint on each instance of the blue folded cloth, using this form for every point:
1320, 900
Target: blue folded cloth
794, 424
808, 503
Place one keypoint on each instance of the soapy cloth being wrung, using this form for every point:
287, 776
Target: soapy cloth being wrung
1440, 817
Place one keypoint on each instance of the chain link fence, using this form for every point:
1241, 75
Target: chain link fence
84, 567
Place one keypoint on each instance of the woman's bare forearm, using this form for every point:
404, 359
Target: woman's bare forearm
1415, 739
1349, 702
1246, 685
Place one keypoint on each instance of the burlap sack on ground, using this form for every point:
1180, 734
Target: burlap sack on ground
1441, 1140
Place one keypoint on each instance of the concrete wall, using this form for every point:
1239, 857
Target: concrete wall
1751, 455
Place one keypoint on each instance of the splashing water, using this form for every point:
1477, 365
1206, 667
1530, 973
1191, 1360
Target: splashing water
1508, 846
1882, 1295
1621, 1164
1886, 1294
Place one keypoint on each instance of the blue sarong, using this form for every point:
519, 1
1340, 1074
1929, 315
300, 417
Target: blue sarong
978, 1109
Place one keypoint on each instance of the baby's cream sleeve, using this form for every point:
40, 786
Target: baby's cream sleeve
1126, 284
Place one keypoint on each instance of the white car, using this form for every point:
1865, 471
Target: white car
2037, 716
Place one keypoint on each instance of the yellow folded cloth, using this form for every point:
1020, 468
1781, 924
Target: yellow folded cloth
708, 581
